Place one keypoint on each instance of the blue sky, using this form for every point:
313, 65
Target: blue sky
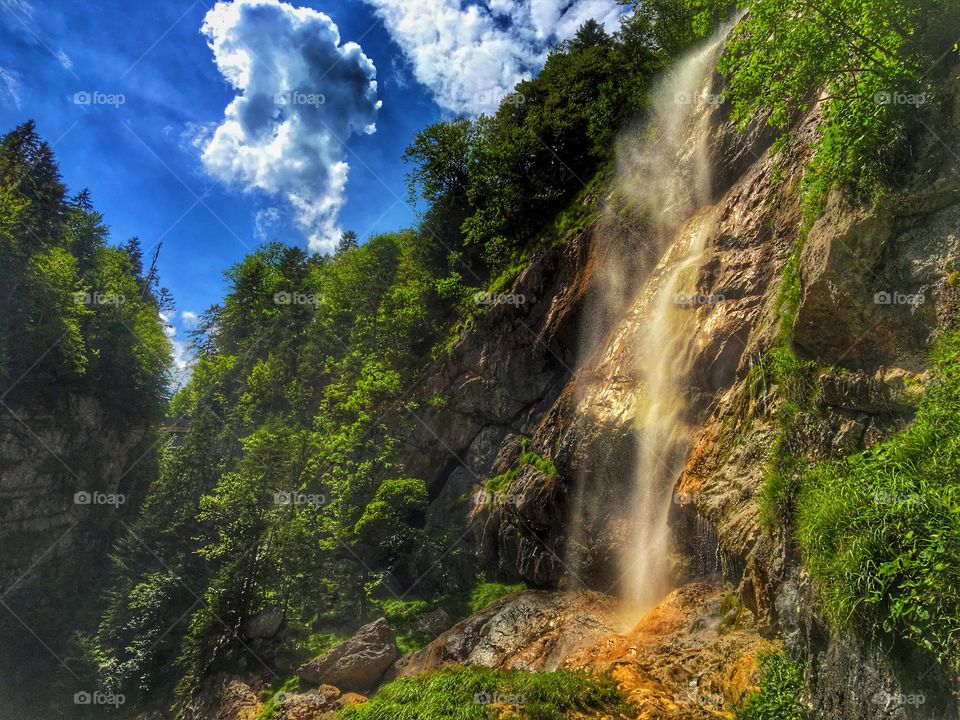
158, 108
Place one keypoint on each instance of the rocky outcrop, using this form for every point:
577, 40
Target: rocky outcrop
358, 664
692, 656
526, 631
225, 698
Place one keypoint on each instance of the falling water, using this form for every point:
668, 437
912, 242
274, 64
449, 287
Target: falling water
669, 175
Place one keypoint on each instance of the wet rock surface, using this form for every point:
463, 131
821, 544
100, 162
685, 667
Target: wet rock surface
691, 656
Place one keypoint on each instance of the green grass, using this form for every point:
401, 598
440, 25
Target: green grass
781, 684
457, 693
274, 698
880, 530
486, 594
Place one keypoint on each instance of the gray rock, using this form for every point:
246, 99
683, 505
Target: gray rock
264, 625
358, 664
433, 622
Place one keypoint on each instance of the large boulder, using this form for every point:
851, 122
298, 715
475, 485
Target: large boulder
525, 631
263, 625
357, 664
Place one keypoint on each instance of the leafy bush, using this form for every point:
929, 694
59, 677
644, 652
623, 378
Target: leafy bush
863, 56
781, 684
880, 531
468, 693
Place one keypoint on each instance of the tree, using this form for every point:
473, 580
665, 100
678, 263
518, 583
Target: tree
348, 241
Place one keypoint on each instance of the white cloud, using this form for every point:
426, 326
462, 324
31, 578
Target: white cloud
9, 88
300, 95
470, 56
64, 60
264, 223
189, 319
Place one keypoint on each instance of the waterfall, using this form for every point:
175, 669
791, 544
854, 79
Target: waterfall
668, 175
664, 177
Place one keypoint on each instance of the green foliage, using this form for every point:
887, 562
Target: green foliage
275, 700
495, 184
78, 314
501, 482
880, 531
870, 59
781, 686
465, 693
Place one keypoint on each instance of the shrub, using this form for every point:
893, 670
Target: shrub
781, 683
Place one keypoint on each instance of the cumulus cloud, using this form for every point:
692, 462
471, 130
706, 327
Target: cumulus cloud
300, 95
471, 56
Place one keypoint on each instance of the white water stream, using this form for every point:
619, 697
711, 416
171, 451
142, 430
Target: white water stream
665, 175
669, 176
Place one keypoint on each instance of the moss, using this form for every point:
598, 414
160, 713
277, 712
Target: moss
501, 482
471, 693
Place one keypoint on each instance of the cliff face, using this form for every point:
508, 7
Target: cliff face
67, 484
560, 372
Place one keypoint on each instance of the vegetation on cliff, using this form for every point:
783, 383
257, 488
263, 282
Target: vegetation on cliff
880, 530
80, 317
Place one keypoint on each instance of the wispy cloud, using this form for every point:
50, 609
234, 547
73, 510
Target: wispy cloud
9, 88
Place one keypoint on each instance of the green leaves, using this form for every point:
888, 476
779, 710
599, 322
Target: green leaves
781, 686
865, 62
